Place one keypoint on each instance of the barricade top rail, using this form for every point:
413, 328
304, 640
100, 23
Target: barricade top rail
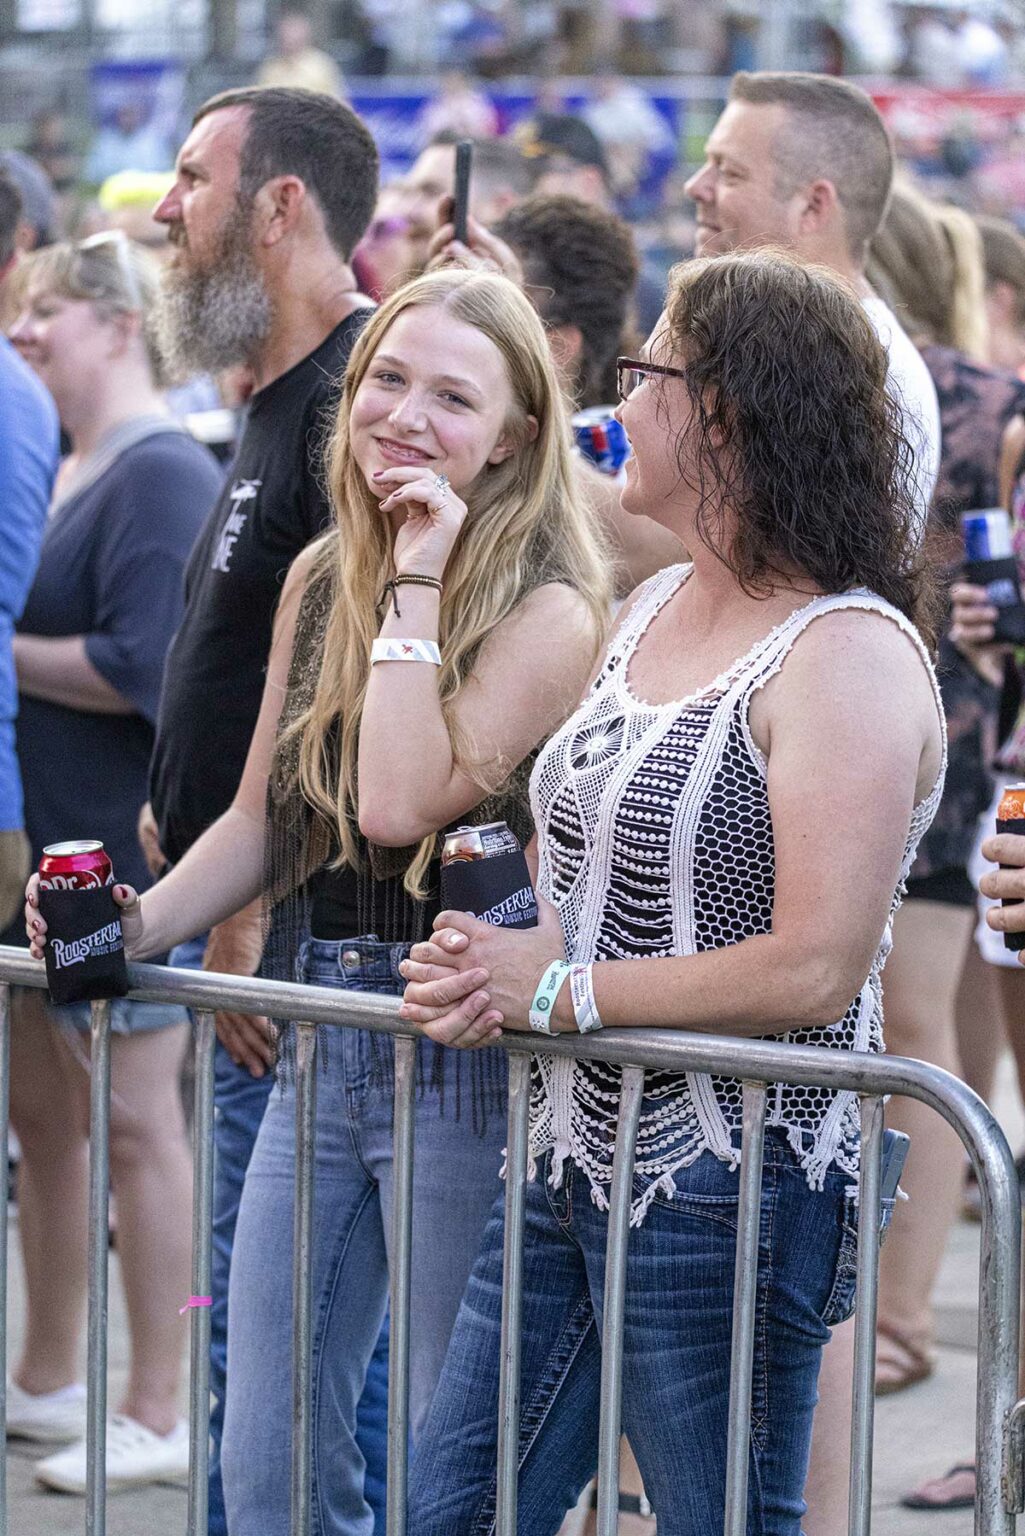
1000, 1421
761, 1059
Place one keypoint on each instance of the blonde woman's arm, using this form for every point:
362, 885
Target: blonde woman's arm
530, 674
223, 872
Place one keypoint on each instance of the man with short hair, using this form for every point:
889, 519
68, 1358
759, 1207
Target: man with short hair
273, 188
805, 162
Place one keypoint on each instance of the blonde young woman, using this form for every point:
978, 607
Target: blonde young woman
450, 472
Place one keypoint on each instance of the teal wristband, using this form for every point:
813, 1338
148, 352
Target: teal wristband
543, 1006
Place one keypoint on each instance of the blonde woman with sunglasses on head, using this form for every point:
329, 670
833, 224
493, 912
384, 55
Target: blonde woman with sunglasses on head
130, 498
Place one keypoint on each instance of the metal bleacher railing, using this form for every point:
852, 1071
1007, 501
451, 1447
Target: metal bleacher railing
1000, 1419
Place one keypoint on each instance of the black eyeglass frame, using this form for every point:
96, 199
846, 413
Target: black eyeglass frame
634, 365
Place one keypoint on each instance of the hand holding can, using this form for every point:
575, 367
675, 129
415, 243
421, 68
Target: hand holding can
1011, 818
85, 951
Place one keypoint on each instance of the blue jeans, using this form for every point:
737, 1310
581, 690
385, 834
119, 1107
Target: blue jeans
676, 1354
456, 1180
240, 1101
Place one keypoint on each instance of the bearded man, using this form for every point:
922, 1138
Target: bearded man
273, 189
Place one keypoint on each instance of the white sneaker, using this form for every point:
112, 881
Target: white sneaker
134, 1455
49, 1418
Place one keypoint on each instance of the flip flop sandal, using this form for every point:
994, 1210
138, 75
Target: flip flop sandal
932, 1495
919, 1366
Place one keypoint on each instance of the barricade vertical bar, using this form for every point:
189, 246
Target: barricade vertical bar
614, 1305
745, 1286
401, 1254
5, 1107
302, 1274
859, 1512
99, 1244
202, 1242
512, 1293
999, 1280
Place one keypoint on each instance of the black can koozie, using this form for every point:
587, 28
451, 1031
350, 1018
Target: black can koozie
85, 948
484, 871
1010, 820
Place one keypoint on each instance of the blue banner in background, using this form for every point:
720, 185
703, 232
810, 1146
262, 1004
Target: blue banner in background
394, 120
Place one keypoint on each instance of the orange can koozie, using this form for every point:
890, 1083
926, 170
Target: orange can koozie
1011, 818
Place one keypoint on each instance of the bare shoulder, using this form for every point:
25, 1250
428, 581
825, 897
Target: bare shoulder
856, 637
854, 676
1012, 449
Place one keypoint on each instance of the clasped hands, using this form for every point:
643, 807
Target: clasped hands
470, 980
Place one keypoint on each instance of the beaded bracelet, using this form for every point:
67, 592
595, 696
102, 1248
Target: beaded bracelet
409, 580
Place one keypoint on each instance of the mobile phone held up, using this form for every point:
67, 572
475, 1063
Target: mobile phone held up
461, 196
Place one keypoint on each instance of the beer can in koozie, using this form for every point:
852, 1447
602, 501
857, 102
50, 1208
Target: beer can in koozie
601, 438
1011, 818
85, 948
484, 872
990, 563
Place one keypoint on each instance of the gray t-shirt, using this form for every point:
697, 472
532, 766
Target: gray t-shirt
111, 569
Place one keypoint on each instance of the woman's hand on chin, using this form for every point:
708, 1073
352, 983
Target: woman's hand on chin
470, 978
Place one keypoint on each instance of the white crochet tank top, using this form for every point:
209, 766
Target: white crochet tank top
656, 839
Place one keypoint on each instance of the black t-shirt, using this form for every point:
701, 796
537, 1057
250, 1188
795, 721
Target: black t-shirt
273, 504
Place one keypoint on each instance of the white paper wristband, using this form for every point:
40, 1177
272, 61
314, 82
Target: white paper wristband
405, 650
585, 1009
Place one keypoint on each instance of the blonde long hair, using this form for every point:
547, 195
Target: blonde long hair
927, 261
527, 525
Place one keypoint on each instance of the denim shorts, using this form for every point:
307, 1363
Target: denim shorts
127, 1017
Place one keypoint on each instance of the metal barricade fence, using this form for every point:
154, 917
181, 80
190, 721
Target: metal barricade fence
1000, 1419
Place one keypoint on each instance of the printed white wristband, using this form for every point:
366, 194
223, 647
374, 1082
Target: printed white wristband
543, 1006
405, 650
585, 1009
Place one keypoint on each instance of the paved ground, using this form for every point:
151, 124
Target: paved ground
918, 1434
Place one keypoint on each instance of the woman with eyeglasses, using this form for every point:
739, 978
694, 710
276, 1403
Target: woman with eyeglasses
723, 827
130, 498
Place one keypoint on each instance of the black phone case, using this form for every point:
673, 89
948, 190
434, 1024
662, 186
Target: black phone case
85, 949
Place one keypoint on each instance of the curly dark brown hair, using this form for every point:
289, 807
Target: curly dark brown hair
794, 433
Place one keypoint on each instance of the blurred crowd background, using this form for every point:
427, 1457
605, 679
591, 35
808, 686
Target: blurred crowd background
96, 94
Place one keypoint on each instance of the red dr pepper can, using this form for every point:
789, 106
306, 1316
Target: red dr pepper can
1011, 818
82, 866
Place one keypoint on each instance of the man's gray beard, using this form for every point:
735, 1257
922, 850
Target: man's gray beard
212, 320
